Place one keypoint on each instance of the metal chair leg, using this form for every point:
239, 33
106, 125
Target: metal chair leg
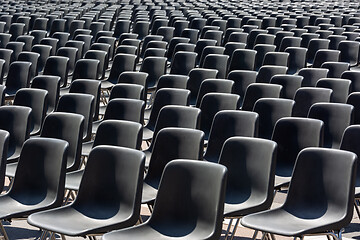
234, 229
228, 229
3, 231
357, 207
255, 234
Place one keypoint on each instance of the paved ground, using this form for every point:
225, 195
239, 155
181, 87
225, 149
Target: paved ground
19, 229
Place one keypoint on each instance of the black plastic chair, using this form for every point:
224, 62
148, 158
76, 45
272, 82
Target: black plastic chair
354, 100
57, 66
261, 51
122, 195
211, 104
163, 97
305, 97
37, 100
266, 72
270, 110
18, 77
69, 52
101, 56
348, 144
44, 51
44, 158
218, 62
52, 85
53, 42
242, 59
293, 135
171, 143
317, 171
312, 75
255, 91
325, 55
242, 79
88, 86
213, 85
139, 78
226, 124
68, 127
349, 52
116, 133
122, 109
336, 69
333, 125
155, 67
79, 45
340, 87
166, 207
86, 69
121, 63
196, 77
16, 47
27, 39
33, 59
81, 104
4, 145
255, 191
354, 77
183, 62
290, 84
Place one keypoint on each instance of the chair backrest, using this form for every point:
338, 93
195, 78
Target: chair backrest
176, 116
251, 172
4, 145
211, 104
122, 62
86, 69
340, 87
334, 125
57, 66
68, 127
319, 171
270, 110
196, 77
297, 59
226, 124
347, 143
186, 209
255, 91
88, 86
167, 96
52, 85
265, 73
37, 100
173, 143
15, 120
214, 85
290, 84
305, 97
119, 191
293, 135
125, 109
18, 76
183, 62
79, 103
40, 174
155, 67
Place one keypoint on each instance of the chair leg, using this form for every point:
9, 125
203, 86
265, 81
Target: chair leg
272, 236
228, 229
255, 234
63, 237
234, 229
357, 207
43, 234
263, 236
3, 231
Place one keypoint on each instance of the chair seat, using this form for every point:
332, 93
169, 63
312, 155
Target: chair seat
149, 193
11, 208
95, 126
80, 222
281, 222
11, 169
106, 85
86, 148
281, 181
64, 90
166, 232
147, 134
73, 179
242, 209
